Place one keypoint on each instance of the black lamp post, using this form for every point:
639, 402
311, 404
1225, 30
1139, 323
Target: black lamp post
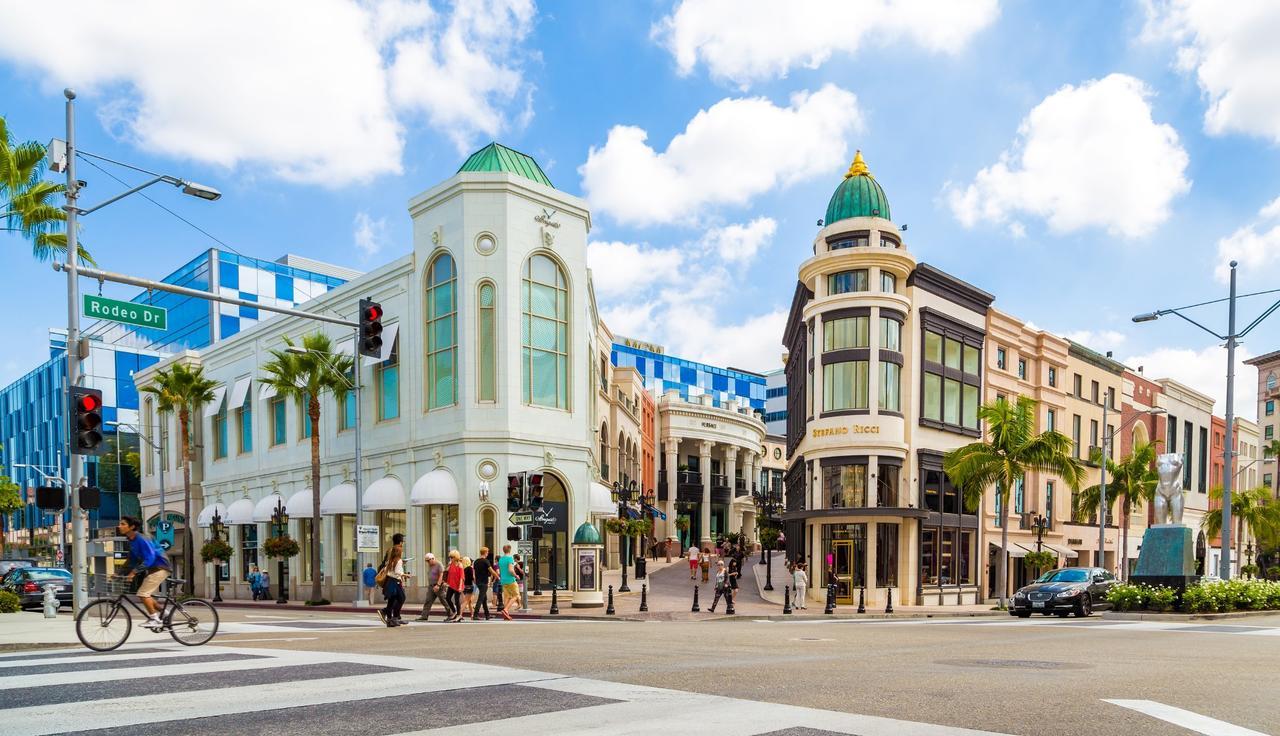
622, 496
216, 527
280, 527
769, 507
1248, 553
1040, 524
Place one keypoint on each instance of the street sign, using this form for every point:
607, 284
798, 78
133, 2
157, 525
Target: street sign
164, 535
129, 313
522, 517
367, 538
525, 549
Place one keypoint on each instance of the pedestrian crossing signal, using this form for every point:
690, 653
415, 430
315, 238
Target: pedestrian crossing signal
535, 490
370, 328
86, 422
515, 491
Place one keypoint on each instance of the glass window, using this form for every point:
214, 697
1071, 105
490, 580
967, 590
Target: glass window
304, 406
971, 360
890, 386
951, 357
890, 334
389, 388
1051, 420
304, 543
347, 412
545, 334
950, 401
1269, 433
932, 397
845, 485
887, 485
220, 434
1271, 407
1048, 503
933, 347
487, 352
1001, 358
845, 385
888, 243
244, 421
1022, 368
347, 559
932, 490
442, 332
848, 281
857, 241
248, 549
1053, 377
1019, 500
886, 555
841, 334
969, 417
888, 282
278, 421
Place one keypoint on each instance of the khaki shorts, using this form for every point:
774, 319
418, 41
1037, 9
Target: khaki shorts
511, 592
151, 583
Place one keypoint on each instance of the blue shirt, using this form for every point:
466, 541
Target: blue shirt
369, 577
146, 554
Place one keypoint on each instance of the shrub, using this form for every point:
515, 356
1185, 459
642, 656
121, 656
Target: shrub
1230, 595
280, 547
1250, 571
215, 549
1041, 560
321, 602
1273, 572
1161, 598
9, 602
1127, 596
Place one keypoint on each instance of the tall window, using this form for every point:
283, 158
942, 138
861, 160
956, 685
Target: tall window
848, 281
248, 549
544, 334
890, 334
487, 351
951, 381
890, 386
304, 406
888, 282
841, 334
845, 385
1001, 358
1019, 496
1053, 377
845, 485
389, 387
1093, 391
886, 555
1075, 433
220, 434
1093, 435
1022, 368
347, 411
1048, 502
148, 427
887, 485
442, 332
279, 426
1270, 407
1077, 385
1051, 420
244, 422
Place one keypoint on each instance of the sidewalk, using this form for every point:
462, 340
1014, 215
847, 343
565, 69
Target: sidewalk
31, 630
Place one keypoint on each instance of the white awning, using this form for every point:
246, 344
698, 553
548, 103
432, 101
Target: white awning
239, 392
213, 407
263, 510
341, 499
600, 500
434, 488
1065, 552
299, 504
268, 391
240, 512
1015, 549
389, 335
206, 515
384, 494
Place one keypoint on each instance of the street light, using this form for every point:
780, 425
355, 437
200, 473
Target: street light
1231, 338
623, 495
68, 153
216, 527
769, 506
1040, 524
279, 527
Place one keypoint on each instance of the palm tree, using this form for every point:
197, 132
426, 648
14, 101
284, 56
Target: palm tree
27, 200
1251, 509
182, 390
1013, 449
1133, 481
10, 503
304, 376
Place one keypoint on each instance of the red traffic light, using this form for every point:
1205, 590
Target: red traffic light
372, 312
89, 402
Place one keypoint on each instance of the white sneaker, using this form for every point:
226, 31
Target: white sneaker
153, 623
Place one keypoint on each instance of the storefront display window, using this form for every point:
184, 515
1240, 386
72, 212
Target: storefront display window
846, 486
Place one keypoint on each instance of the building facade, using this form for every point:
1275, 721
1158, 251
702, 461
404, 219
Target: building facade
662, 373
775, 403
1268, 366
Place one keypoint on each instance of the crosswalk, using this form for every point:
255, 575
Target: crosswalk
1092, 624
171, 690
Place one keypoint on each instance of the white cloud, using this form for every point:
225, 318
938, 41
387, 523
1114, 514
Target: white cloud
741, 243
1097, 340
729, 153
1256, 245
312, 91
1086, 156
1204, 370
619, 267
369, 234
750, 40
1232, 48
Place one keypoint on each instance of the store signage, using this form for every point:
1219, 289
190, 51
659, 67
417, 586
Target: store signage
709, 425
851, 429
642, 345
129, 313
367, 538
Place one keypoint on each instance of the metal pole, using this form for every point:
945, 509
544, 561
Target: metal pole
1224, 564
164, 460
360, 600
78, 571
1102, 498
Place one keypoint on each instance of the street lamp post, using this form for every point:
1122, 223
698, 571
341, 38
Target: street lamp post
279, 527
622, 496
1040, 524
216, 527
1231, 338
768, 506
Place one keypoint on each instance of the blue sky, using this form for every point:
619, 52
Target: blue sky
1082, 162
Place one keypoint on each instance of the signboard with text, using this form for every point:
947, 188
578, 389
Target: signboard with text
129, 313
367, 538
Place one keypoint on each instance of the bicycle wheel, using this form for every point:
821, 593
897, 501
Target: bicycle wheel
193, 622
103, 625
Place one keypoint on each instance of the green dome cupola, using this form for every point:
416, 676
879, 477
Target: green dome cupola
497, 157
859, 195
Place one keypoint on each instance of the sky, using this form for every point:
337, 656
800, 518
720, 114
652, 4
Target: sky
1083, 162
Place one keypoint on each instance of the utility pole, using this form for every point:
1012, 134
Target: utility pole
1224, 563
79, 573
355, 370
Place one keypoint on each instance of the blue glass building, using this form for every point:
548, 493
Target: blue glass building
664, 372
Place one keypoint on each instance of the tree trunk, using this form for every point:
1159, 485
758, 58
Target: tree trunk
188, 544
1237, 540
1002, 571
313, 410
1124, 533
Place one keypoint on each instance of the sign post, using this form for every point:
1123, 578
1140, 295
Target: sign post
129, 313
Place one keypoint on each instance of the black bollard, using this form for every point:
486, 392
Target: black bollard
831, 598
644, 598
786, 600
609, 611
959, 598
555, 603
862, 599
695, 608
888, 605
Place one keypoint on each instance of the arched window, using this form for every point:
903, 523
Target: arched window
604, 451
544, 364
487, 350
442, 332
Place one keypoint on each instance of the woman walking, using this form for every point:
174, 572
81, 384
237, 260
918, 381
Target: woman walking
800, 579
704, 560
393, 588
468, 588
454, 579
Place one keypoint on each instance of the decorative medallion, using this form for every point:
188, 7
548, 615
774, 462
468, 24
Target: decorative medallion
487, 469
486, 244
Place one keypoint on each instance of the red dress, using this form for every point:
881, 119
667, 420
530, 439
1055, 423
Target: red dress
454, 577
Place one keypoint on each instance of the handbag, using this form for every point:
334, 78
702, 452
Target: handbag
381, 578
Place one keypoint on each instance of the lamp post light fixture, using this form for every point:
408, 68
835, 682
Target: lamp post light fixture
769, 506
622, 495
1040, 524
216, 527
280, 527
1231, 339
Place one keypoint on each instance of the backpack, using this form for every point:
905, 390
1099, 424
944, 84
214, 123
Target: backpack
163, 561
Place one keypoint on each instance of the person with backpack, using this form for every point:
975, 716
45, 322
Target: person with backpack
150, 562
394, 578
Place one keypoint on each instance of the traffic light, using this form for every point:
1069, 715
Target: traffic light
50, 498
86, 405
90, 498
370, 328
513, 534
515, 491
535, 490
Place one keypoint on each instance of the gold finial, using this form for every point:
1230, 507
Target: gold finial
858, 167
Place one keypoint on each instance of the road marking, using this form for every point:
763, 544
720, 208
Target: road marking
258, 615
1186, 719
254, 641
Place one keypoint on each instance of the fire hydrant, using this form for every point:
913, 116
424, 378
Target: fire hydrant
50, 601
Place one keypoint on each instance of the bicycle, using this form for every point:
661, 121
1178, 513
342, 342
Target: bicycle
105, 623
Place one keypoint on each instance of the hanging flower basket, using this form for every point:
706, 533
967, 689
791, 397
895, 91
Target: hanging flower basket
280, 547
615, 526
216, 551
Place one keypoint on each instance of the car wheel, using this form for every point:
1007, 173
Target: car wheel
1084, 608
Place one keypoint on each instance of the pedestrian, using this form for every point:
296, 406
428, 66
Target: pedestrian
521, 580
693, 562
434, 579
369, 578
455, 576
704, 561
468, 588
507, 576
653, 547
800, 579
721, 587
264, 591
483, 571
255, 581
393, 587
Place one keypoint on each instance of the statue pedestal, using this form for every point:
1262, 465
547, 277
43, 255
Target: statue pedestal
1167, 558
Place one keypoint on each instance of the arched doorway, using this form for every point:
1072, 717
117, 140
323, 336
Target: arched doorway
489, 528
553, 549
1200, 552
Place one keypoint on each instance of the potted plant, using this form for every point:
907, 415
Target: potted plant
282, 547
216, 551
1040, 560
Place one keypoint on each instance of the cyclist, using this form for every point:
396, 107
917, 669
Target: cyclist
150, 560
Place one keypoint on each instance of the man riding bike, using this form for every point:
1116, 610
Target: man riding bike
150, 560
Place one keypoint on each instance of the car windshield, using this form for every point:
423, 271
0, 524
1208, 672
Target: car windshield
47, 574
1065, 576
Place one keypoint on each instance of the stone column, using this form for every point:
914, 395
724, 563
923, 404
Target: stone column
731, 467
704, 468
672, 448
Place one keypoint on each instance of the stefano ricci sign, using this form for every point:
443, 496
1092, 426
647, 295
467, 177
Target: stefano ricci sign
846, 429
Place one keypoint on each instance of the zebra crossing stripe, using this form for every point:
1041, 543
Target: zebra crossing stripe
61, 667
35, 654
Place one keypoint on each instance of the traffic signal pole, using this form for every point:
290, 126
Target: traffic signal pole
79, 563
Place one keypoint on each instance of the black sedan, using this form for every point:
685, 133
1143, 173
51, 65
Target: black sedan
1064, 591
29, 582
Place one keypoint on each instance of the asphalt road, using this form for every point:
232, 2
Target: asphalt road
1042, 677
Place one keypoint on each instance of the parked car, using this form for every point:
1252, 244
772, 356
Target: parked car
29, 582
9, 563
1064, 591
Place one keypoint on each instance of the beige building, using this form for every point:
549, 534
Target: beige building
1268, 417
1096, 383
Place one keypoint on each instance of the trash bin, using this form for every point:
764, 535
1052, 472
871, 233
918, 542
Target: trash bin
641, 564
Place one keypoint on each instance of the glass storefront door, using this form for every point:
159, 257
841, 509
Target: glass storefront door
845, 557
842, 567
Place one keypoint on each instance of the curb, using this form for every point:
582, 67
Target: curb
1174, 617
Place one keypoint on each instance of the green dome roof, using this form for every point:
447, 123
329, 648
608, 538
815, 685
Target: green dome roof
586, 534
859, 195
497, 157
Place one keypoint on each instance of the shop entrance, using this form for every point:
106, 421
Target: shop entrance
842, 569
